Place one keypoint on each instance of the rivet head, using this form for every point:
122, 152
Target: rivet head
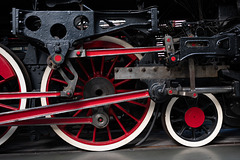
155, 69
130, 69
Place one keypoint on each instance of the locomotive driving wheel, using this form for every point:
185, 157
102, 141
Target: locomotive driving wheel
113, 125
193, 122
12, 79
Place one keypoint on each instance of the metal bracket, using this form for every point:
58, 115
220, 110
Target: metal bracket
218, 45
57, 51
58, 30
69, 90
169, 44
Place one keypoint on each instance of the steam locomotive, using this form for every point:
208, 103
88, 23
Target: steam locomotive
98, 71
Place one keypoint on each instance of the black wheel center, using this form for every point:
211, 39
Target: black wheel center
99, 92
98, 86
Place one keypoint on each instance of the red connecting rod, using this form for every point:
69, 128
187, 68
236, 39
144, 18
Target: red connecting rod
18, 95
31, 113
115, 51
122, 51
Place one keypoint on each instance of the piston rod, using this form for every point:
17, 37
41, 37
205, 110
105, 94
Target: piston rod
213, 90
187, 91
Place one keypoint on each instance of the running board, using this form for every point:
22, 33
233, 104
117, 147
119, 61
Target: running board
31, 113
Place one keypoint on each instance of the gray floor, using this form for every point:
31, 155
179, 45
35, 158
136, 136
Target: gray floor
158, 146
218, 152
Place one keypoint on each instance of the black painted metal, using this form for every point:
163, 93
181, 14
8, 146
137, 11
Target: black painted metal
220, 45
58, 30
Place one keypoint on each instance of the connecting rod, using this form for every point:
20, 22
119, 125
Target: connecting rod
31, 113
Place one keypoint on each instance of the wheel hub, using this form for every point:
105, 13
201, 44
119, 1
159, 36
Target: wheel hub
194, 117
100, 120
98, 86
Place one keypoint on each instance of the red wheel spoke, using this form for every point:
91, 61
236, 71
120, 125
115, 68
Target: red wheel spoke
5, 80
109, 133
80, 131
111, 68
83, 69
124, 90
139, 104
122, 109
94, 134
80, 87
122, 82
102, 66
80, 79
8, 107
111, 80
59, 80
93, 67
88, 114
78, 94
131, 62
118, 121
79, 111
68, 70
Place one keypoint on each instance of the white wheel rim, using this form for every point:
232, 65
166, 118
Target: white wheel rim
195, 143
22, 83
102, 147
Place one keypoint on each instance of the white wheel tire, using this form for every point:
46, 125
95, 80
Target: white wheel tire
189, 143
23, 86
102, 147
